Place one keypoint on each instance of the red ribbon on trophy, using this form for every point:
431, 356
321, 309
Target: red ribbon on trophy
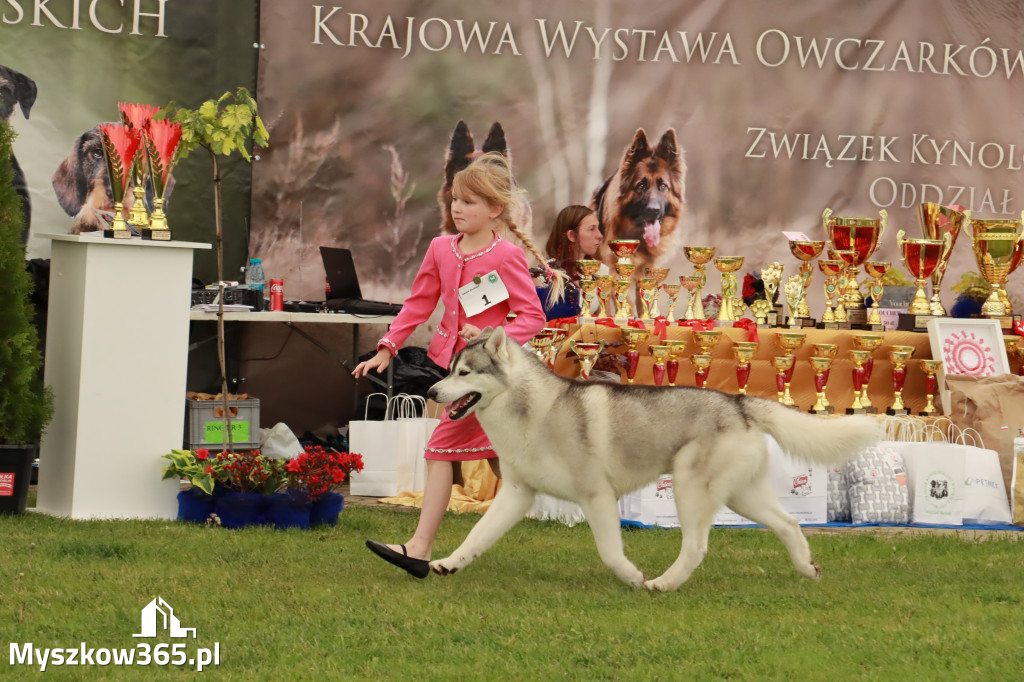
562, 321
606, 322
661, 326
1018, 327
698, 325
749, 325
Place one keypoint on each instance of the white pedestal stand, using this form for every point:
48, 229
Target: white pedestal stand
116, 359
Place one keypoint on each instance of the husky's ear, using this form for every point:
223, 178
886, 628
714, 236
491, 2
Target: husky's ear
496, 342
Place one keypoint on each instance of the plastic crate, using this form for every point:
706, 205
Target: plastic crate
204, 425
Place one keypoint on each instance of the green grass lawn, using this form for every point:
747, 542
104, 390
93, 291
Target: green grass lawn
316, 605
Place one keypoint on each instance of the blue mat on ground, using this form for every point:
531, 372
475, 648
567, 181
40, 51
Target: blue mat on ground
835, 524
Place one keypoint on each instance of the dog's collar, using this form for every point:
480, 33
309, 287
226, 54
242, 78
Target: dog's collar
458, 254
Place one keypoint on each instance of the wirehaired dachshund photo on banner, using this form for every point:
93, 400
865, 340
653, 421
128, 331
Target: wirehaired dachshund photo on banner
83, 186
17, 89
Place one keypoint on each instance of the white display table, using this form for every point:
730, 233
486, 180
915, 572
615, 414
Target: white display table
116, 359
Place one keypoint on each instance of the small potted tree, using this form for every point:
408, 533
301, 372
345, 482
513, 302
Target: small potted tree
26, 406
221, 127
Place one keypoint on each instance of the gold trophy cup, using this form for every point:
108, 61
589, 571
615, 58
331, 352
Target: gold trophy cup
931, 383
805, 252
633, 337
996, 243
862, 236
540, 344
899, 360
673, 293
605, 294
699, 256
675, 347
921, 256
587, 352
744, 352
936, 222
588, 293
868, 343
648, 292
660, 354
659, 275
728, 265
876, 271
692, 285
702, 368
821, 366
707, 339
825, 350
558, 335
831, 269
784, 365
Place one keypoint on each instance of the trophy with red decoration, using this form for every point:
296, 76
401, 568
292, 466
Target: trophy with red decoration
161, 140
120, 143
137, 117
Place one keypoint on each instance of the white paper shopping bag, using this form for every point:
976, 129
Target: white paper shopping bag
392, 448
936, 472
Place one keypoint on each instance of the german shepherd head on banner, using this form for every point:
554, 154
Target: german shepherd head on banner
643, 199
461, 151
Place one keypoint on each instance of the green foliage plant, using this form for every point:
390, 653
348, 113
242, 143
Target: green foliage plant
26, 406
222, 127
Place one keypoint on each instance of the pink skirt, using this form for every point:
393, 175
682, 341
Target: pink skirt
459, 441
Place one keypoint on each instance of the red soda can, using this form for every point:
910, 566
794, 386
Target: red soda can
277, 294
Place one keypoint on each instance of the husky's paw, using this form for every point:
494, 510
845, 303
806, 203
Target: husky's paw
444, 566
659, 585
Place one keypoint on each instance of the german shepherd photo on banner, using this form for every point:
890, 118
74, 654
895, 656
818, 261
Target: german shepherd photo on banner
643, 199
461, 151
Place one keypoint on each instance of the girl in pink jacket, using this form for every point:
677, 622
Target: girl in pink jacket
480, 277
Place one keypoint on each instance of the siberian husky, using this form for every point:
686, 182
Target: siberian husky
591, 442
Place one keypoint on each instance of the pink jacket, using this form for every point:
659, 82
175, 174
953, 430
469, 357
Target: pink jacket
443, 271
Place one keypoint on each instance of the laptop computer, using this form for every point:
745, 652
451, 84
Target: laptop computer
345, 294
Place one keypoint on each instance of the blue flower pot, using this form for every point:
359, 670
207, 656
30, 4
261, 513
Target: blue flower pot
194, 505
238, 510
288, 509
326, 508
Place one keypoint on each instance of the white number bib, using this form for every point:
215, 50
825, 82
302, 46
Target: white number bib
485, 291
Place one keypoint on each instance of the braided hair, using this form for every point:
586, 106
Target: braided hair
489, 176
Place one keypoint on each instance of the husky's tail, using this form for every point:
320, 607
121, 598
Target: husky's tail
813, 438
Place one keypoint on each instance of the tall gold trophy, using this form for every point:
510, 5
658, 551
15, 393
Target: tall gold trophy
805, 252
936, 221
876, 271
120, 145
699, 256
996, 248
862, 236
731, 308
624, 267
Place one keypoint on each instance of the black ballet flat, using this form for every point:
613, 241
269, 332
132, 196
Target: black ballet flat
419, 568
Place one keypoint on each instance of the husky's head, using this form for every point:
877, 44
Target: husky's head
477, 375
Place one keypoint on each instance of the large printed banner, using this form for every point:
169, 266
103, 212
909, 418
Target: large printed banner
773, 112
64, 66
